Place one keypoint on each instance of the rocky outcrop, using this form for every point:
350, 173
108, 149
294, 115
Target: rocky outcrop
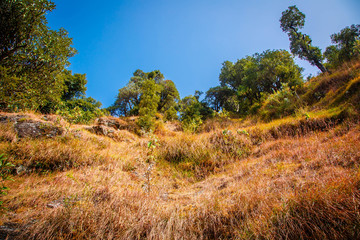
36, 129
115, 134
12, 118
25, 127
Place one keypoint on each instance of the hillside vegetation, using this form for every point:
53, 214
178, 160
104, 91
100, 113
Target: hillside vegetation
291, 178
263, 155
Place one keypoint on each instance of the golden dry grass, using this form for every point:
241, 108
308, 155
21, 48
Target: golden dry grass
221, 184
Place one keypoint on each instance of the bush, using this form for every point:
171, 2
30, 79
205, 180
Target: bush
5, 168
280, 104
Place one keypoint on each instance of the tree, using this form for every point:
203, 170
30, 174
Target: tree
219, 97
74, 85
148, 105
169, 99
33, 54
20, 21
245, 82
128, 100
347, 45
291, 21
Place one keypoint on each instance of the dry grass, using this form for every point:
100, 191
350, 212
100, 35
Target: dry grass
292, 178
292, 187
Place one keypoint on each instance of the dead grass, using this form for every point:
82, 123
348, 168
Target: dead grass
293, 178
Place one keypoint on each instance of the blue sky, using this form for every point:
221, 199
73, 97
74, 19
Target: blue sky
187, 40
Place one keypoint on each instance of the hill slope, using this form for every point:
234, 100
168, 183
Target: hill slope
292, 178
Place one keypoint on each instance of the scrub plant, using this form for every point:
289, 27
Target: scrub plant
5, 168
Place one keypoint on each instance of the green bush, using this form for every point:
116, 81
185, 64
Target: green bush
5, 169
279, 104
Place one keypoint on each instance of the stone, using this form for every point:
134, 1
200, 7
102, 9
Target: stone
12, 118
21, 170
36, 129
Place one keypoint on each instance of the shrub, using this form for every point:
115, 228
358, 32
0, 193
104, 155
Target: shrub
148, 105
280, 104
5, 168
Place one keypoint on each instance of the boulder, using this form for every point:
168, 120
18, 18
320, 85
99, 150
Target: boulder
118, 135
36, 129
12, 118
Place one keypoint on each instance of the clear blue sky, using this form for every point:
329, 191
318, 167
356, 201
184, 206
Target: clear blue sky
187, 40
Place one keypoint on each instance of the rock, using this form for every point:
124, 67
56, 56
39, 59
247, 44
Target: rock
117, 135
12, 118
55, 204
21, 170
108, 123
9, 230
36, 129
77, 133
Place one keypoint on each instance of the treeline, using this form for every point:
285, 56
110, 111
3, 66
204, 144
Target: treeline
34, 76
265, 84
34, 61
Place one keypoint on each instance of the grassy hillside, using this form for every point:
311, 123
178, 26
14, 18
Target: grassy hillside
292, 178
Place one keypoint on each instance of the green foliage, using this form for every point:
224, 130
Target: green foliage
74, 85
244, 83
20, 21
148, 105
32, 56
5, 169
193, 112
219, 98
169, 98
280, 104
127, 102
291, 21
347, 46
81, 111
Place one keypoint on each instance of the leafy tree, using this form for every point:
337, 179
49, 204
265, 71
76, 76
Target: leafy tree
128, 100
21, 21
190, 114
291, 21
33, 55
347, 46
74, 85
169, 98
245, 82
219, 97
148, 105
81, 110
193, 112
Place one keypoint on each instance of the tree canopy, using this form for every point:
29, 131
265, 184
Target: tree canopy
129, 97
291, 21
244, 82
347, 46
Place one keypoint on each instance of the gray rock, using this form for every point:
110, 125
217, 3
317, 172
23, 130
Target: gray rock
12, 118
36, 129
21, 170
108, 123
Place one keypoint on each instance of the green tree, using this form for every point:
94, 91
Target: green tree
128, 99
148, 105
219, 97
169, 99
245, 82
291, 21
190, 113
193, 112
33, 55
347, 46
21, 21
75, 85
